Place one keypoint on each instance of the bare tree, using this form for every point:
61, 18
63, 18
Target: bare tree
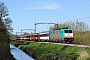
3, 11
4, 17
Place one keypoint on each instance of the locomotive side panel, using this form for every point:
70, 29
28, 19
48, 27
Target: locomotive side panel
55, 35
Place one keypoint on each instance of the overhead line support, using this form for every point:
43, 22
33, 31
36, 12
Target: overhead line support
42, 23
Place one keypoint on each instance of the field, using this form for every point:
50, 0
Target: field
43, 51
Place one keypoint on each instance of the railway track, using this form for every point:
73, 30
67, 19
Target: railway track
73, 44
68, 44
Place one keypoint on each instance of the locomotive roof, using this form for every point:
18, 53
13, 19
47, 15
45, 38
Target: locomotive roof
63, 28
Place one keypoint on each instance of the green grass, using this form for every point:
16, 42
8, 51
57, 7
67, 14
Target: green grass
43, 51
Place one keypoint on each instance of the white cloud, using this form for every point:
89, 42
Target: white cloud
48, 7
52, 6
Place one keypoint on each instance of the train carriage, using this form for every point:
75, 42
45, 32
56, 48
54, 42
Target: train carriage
27, 37
17, 37
20, 38
44, 36
35, 37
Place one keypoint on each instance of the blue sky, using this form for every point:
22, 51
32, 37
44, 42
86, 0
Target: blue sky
24, 13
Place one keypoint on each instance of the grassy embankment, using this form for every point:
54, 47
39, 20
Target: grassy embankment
4, 44
5, 48
42, 51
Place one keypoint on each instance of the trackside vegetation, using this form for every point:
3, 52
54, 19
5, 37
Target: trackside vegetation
47, 51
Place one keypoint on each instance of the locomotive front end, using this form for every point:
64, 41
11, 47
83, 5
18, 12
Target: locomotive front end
68, 35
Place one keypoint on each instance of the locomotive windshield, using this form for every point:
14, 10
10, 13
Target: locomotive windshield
68, 31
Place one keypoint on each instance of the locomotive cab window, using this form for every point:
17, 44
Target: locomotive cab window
68, 31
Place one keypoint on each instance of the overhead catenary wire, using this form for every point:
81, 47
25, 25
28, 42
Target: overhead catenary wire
84, 18
79, 12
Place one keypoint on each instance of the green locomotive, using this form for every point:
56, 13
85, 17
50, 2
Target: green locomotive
62, 35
